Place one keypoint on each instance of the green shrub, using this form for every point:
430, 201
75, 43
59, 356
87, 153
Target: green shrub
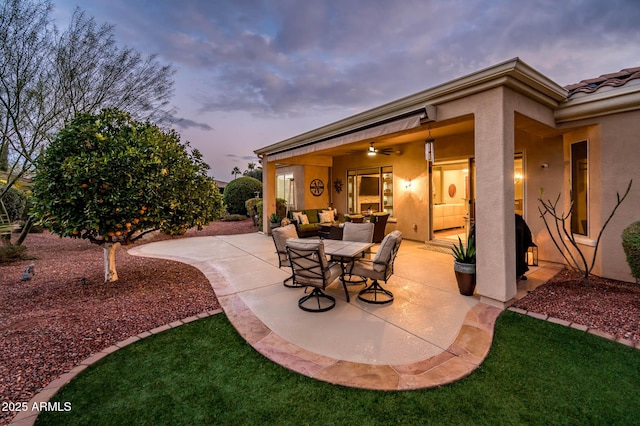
252, 211
281, 207
631, 246
259, 209
15, 202
12, 253
238, 191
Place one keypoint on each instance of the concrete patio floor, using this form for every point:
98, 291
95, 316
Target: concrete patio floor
428, 336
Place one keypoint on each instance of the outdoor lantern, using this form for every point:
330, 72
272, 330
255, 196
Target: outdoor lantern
429, 152
532, 255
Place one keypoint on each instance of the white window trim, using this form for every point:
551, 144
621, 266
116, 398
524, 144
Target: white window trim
583, 240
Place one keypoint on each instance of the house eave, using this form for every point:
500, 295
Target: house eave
625, 98
513, 73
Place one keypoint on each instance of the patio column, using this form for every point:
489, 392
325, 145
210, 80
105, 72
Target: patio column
268, 192
495, 220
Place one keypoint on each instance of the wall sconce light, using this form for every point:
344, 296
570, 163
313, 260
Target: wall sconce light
532, 255
407, 185
517, 178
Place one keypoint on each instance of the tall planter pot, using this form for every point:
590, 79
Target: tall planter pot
466, 277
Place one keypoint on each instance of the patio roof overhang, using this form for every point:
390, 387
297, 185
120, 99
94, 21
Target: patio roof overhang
404, 114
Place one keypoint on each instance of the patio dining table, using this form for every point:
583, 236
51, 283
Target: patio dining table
346, 252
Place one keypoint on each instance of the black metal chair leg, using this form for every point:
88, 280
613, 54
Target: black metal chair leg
376, 289
293, 283
318, 294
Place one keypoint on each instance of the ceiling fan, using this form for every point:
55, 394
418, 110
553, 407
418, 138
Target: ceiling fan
372, 150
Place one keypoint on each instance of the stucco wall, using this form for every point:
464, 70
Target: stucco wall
544, 170
613, 162
411, 205
309, 201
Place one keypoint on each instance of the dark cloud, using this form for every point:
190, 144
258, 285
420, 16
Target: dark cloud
289, 58
249, 158
186, 123
242, 63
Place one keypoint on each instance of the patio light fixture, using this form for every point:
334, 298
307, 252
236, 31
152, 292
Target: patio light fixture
532, 255
429, 152
372, 150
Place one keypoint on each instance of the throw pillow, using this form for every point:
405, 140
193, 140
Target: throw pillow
326, 217
334, 212
297, 216
304, 219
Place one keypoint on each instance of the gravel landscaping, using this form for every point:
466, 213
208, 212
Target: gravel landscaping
65, 313
607, 305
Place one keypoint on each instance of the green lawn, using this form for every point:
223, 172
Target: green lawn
205, 373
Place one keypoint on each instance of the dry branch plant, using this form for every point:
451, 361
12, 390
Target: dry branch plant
564, 239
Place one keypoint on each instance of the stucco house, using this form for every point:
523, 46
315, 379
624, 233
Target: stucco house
478, 149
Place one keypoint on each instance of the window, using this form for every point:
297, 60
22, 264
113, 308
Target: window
370, 190
284, 188
579, 188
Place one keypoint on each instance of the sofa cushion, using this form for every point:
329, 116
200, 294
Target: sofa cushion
308, 226
313, 215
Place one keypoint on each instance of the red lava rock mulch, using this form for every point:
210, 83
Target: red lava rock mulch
66, 312
607, 305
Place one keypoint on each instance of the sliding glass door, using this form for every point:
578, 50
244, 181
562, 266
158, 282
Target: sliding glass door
451, 199
453, 196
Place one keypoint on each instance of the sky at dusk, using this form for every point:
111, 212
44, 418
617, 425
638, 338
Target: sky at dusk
250, 73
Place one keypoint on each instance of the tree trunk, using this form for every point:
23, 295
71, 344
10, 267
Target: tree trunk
25, 231
110, 273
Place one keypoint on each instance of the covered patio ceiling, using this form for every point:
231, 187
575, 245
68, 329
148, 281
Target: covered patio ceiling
438, 130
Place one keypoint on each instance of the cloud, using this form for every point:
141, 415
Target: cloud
186, 123
287, 59
244, 64
249, 158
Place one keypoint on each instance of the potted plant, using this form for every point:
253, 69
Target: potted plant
465, 266
275, 220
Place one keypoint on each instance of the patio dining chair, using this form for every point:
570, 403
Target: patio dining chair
280, 237
312, 269
379, 268
380, 222
362, 233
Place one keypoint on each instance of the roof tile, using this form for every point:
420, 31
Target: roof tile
615, 79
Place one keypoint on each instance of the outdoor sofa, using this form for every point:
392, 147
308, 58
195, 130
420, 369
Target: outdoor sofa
310, 227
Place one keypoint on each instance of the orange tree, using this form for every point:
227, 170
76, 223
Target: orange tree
110, 179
